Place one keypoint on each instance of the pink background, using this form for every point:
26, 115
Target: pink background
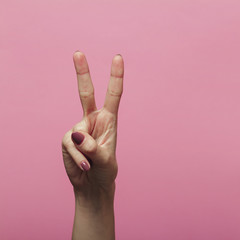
179, 120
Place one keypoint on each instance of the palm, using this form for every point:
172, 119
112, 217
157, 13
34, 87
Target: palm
100, 124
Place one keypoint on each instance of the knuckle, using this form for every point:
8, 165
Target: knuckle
66, 140
113, 93
90, 147
81, 126
86, 94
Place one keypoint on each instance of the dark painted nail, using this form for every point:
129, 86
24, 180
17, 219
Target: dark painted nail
77, 138
85, 166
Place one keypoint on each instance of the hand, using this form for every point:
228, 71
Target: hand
89, 147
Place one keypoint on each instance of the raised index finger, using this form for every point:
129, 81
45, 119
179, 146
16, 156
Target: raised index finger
85, 86
115, 85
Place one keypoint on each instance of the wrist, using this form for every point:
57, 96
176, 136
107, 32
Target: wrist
94, 214
94, 199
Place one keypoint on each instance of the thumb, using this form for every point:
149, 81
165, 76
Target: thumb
87, 145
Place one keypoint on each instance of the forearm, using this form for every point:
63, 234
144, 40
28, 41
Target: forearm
94, 216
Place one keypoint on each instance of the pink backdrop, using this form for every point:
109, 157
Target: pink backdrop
179, 119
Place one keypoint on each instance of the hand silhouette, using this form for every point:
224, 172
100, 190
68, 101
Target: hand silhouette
89, 147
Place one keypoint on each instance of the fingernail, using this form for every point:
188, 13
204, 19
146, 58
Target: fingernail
119, 55
85, 166
77, 138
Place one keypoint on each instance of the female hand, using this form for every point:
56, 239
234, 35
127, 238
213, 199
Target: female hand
89, 147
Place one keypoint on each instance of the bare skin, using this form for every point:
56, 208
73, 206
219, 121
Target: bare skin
94, 188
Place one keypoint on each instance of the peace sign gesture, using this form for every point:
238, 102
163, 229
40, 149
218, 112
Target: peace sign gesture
89, 147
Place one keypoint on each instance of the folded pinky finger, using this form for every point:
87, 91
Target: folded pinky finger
79, 158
